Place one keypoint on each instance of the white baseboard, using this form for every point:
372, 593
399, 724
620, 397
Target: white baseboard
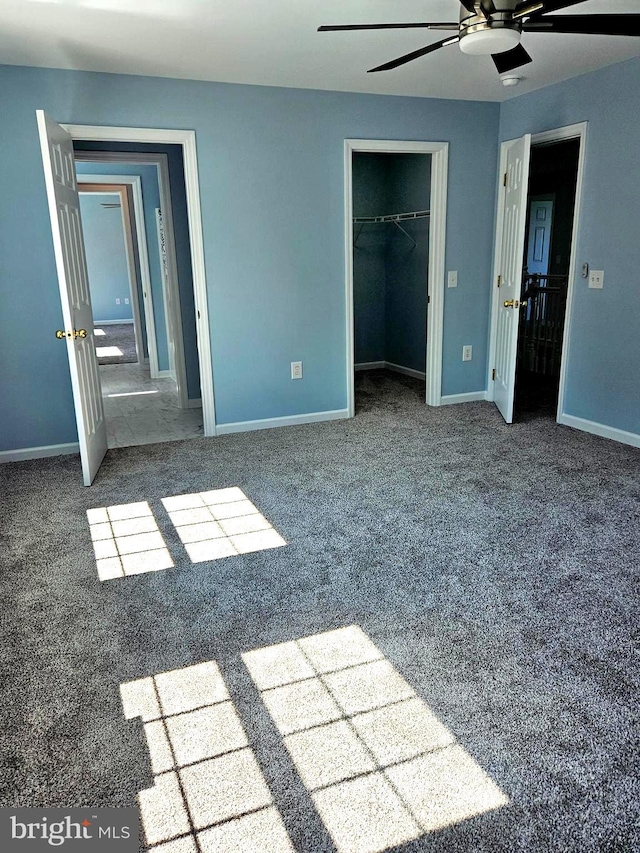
408, 371
111, 322
290, 420
194, 404
603, 430
164, 374
389, 365
38, 452
470, 397
370, 365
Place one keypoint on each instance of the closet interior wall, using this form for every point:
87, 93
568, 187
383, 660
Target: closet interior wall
390, 269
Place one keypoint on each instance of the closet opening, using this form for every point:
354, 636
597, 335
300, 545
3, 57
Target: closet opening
391, 200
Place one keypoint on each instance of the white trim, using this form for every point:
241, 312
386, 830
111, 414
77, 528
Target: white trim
572, 131
187, 139
595, 428
135, 182
469, 397
408, 371
38, 452
194, 403
165, 374
497, 256
437, 242
370, 365
290, 420
111, 322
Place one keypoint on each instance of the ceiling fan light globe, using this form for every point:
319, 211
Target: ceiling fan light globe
487, 41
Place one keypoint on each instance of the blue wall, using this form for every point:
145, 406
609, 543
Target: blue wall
150, 201
603, 366
370, 198
106, 257
407, 267
271, 180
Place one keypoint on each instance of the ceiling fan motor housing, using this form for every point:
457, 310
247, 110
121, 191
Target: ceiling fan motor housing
482, 36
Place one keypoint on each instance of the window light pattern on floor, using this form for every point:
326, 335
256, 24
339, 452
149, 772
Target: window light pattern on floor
105, 352
209, 794
381, 769
127, 541
99, 333
220, 523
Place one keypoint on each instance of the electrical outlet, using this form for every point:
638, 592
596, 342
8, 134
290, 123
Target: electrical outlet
467, 352
117, 301
452, 278
296, 370
126, 301
596, 279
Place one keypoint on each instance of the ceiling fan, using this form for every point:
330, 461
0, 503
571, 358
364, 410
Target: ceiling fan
495, 27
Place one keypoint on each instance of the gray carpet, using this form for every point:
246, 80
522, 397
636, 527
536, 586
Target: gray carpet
122, 336
494, 567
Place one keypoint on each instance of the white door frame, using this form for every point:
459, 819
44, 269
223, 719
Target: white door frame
135, 183
571, 131
437, 239
187, 139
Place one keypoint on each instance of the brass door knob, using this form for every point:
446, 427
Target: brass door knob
80, 333
61, 334
511, 303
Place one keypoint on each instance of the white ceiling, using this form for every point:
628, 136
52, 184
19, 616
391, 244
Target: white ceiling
274, 42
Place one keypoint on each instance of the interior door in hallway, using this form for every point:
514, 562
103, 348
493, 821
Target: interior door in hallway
513, 227
73, 281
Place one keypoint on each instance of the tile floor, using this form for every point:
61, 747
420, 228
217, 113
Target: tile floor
141, 410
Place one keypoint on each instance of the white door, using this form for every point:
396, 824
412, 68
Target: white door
68, 244
539, 243
511, 258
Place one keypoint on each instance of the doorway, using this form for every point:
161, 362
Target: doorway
420, 208
56, 144
391, 198
540, 181
553, 175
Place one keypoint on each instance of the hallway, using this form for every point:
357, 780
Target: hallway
141, 410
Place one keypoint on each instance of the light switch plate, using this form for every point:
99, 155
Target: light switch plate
596, 279
452, 278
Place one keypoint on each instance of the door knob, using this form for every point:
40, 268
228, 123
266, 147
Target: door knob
511, 303
77, 333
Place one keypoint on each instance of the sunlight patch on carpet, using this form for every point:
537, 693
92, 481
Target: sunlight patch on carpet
220, 523
127, 541
208, 793
380, 767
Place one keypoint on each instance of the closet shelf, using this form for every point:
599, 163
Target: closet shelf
395, 218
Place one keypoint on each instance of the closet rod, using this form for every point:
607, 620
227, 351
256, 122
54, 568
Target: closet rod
395, 218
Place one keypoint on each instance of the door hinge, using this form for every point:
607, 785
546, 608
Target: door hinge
504, 180
493, 374
499, 280
428, 300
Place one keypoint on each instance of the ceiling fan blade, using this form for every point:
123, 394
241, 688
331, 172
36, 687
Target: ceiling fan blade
542, 6
511, 59
416, 54
433, 25
600, 25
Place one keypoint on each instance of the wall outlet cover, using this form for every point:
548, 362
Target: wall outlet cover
296, 370
596, 279
467, 352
